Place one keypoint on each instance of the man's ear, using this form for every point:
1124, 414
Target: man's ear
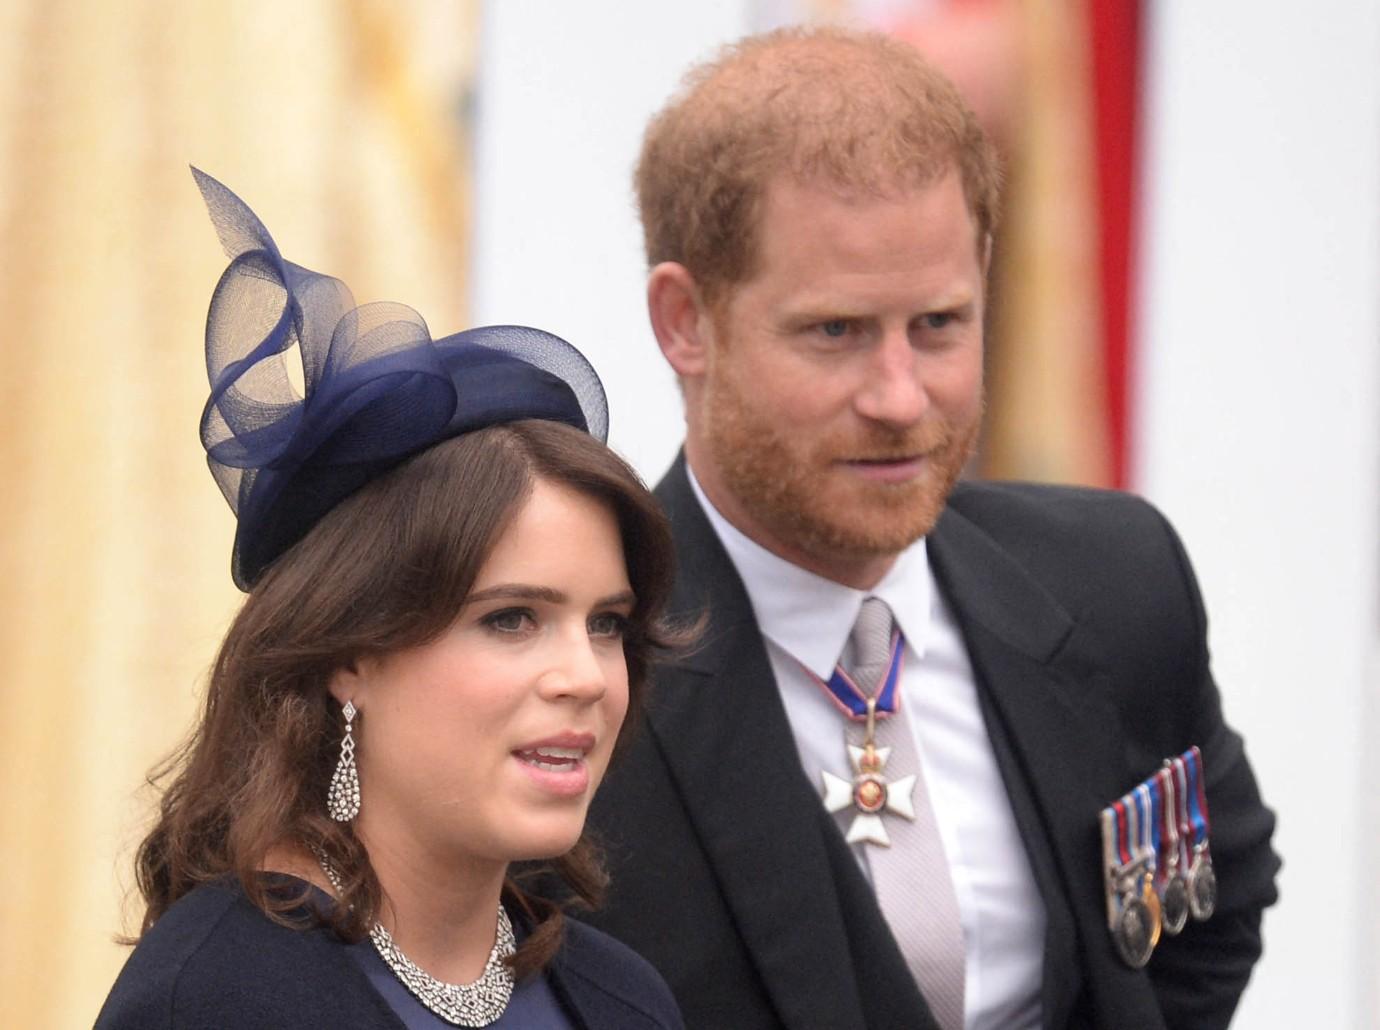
679, 319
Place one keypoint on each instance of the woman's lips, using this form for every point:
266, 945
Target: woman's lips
558, 768
553, 759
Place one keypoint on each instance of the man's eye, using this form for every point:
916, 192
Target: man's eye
509, 620
835, 327
938, 319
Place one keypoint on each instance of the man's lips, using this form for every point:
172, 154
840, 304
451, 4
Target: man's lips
887, 470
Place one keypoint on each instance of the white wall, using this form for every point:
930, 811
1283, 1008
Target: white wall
1260, 437
1259, 428
565, 90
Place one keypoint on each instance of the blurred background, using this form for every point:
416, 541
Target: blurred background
1187, 304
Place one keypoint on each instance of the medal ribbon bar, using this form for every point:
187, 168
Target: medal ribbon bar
1158, 869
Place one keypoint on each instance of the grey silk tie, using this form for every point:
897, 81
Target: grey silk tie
911, 877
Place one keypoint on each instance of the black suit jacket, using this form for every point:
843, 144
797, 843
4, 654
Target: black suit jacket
1087, 637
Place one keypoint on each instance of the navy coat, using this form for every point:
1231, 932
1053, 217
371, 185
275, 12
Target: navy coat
214, 960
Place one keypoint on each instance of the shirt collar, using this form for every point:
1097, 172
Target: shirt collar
810, 617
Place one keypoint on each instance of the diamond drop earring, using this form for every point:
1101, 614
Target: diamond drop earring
342, 801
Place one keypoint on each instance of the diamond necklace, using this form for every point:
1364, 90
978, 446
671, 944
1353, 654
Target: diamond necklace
471, 1005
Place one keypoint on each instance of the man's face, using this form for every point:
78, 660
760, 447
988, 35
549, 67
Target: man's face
843, 387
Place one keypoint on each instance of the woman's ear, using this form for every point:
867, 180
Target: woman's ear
347, 684
679, 319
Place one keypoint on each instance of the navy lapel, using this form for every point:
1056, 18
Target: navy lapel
719, 720
1056, 738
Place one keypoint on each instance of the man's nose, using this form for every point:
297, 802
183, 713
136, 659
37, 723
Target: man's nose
891, 390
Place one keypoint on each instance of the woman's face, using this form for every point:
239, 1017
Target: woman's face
488, 742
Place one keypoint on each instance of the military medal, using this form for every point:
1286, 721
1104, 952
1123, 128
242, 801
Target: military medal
870, 792
1158, 869
1146, 835
1174, 900
1202, 884
1201, 879
1132, 923
1134, 942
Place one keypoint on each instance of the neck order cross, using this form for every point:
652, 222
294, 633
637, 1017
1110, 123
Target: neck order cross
877, 654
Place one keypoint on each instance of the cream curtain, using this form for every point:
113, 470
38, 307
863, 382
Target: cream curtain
1025, 66
342, 123
1047, 417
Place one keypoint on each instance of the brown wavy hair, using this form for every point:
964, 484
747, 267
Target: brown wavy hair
857, 111
387, 569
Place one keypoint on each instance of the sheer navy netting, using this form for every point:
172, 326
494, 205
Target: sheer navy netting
375, 387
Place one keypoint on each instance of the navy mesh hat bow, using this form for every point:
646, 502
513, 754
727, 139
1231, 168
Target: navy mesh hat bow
376, 387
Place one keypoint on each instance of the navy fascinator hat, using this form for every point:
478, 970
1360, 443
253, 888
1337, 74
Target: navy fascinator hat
377, 388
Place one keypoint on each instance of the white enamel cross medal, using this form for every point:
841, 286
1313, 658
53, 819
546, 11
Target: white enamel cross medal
869, 791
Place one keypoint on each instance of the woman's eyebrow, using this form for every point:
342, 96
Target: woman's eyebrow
529, 592
517, 591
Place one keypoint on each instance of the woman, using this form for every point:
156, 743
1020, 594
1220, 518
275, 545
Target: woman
453, 593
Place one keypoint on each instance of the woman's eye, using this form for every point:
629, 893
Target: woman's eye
509, 620
608, 624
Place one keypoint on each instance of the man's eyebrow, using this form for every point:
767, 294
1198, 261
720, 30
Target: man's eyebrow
825, 309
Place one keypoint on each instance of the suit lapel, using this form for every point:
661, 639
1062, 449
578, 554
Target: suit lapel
1055, 737
719, 720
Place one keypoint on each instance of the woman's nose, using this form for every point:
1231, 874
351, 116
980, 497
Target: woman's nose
577, 670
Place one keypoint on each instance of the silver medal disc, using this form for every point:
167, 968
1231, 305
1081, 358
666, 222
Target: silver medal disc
1133, 934
1202, 887
1174, 905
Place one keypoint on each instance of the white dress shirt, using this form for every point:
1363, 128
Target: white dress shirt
805, 621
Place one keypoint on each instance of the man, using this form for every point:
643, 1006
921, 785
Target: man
819, 209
